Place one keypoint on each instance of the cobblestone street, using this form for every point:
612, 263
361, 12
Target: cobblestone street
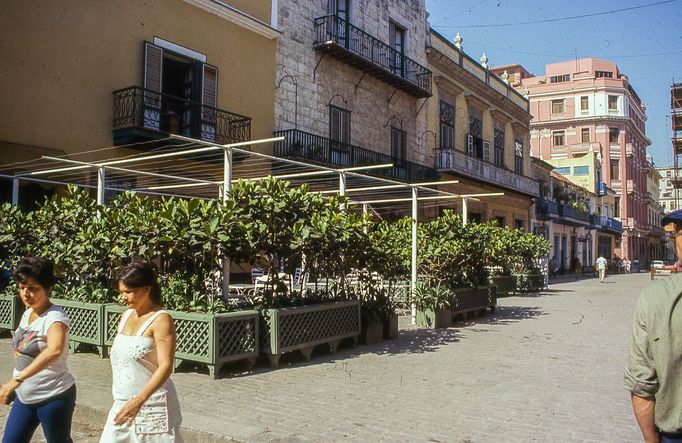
545, 367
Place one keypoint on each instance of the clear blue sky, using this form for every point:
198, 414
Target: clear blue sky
645, 43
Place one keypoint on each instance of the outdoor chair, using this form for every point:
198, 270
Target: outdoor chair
255, 273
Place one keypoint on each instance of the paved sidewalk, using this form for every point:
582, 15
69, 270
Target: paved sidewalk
546, 367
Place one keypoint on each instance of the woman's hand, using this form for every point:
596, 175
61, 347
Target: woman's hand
7, 390
129, 411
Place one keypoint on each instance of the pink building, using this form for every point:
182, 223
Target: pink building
588, 105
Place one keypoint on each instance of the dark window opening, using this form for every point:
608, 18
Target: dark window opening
447, 125
339, 134
475, 140
499, 148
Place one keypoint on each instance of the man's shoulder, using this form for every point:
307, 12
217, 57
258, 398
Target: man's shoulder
661, 294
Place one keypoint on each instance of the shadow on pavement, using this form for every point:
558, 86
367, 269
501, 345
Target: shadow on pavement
509, 314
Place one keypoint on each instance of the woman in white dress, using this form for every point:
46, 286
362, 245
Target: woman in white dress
146, 407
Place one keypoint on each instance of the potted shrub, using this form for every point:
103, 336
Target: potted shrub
433, 305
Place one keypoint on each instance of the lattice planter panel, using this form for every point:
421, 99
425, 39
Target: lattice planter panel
211, 339
474, 300
506, 284
86, 323
303, 327
11, 309
529, 283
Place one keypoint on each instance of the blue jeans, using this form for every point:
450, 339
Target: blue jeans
54, 415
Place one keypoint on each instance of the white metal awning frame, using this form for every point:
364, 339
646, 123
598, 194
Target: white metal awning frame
365, 195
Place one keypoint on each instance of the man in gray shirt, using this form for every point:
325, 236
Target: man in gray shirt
654, 370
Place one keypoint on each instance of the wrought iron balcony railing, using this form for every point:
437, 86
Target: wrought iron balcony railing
369, 54
454, 160
322, 150
569, 213
546, 209
150, 114
606, 224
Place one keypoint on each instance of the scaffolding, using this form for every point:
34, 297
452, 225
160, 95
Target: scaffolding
676, 127
190, 168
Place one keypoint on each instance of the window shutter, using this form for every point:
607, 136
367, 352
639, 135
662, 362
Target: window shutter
470, 145
403, 145
486, 151
153, 63
153, 67
209, 93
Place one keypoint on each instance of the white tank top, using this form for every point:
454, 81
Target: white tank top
134, 360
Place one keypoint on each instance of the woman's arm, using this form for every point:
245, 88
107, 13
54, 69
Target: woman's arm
56, 336
163, 333
645, 409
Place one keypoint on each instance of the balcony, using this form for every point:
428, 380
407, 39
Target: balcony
583, 148
606, 224
350, 44
546, 209
314, 148
630, 186
601, 189
450, 159
573, 216
558, 151
141, 114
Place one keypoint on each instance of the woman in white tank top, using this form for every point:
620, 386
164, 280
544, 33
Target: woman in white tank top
146, 407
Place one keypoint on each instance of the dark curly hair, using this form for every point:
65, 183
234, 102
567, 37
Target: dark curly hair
139, 274
39, 269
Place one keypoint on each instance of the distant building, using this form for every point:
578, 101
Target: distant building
588, 106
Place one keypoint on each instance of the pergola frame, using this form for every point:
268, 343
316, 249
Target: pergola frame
224, 186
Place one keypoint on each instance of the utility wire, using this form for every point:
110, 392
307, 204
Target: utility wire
552, 20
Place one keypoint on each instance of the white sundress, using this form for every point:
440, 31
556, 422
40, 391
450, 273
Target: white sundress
133, 361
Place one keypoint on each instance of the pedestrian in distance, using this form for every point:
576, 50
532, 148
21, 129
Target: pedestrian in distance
635, 265
41, 387
627, 265
601, 267
146, 406
654, 370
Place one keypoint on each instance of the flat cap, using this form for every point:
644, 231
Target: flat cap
672, 217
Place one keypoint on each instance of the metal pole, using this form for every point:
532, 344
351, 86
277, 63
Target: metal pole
342, 186
413, 280
15, 191
226, 188
101, 180
465, 211
365, 210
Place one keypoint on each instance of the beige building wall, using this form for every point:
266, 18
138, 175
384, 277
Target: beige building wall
463, 86
59, 73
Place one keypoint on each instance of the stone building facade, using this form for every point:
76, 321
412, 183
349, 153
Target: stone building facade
351, 79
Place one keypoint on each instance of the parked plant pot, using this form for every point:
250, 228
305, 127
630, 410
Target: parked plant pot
87, 325
211, 339
372, 332
11, 310
390, 325
505, 284
474, 300
441, 318
302, 328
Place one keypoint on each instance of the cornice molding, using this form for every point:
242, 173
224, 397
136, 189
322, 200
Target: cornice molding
236, 16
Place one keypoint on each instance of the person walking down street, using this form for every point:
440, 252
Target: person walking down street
626, 265
43, 390
635, 265
654, 370
146, 406
601, 267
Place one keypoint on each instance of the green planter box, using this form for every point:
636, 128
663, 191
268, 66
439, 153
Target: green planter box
474, 300
441, 318
211, 339
302, 328
87, 325
529, 283
390, 324
11, 309
506, 284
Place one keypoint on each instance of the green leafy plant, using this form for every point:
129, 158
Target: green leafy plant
432, 298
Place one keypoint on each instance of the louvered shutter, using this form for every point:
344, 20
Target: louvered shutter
470, 145
153, 70
486, 151
209, 101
